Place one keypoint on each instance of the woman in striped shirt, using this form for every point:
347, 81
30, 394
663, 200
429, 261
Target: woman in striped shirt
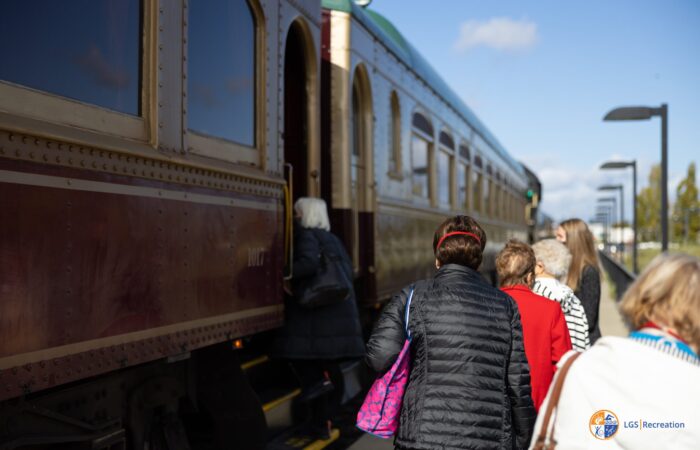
553, 259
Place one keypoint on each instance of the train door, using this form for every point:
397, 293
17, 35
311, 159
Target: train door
362, 187
296, 112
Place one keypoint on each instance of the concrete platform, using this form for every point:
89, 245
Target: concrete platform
369, 442
611, 323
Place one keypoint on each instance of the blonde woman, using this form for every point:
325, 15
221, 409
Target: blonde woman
553, 260
584, 273
639, 392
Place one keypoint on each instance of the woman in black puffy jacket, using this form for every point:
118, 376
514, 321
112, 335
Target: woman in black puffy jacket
470, 382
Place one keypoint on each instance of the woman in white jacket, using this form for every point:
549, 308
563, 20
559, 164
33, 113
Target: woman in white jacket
640, 392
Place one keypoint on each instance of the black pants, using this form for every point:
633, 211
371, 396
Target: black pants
311, 375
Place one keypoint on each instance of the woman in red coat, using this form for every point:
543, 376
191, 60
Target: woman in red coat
545, 333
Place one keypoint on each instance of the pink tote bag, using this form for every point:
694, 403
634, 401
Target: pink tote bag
380, 412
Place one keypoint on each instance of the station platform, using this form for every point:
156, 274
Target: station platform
611, 324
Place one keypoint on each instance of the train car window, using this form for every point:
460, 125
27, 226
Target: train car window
477, 179
446, 140
498, 197
420, 151
395, 136
421, 123
487, 191
221, 70
88, 50
462, 193
464, 152
445, 172
444, 178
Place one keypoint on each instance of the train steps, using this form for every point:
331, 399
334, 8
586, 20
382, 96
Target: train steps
279, 393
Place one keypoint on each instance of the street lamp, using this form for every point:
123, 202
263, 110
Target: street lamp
646, 113
623, 165
602, 200
618, 187
603, 214
601, 219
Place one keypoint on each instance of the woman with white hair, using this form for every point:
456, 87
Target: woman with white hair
553, 259
315, 339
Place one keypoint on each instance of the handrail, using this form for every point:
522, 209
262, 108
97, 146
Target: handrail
619, 275
289, 223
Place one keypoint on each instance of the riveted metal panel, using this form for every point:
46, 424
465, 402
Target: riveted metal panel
171, 44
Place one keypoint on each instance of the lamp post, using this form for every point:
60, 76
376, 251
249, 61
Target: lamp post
606, 212
646, 113
613, 200
601, 219
622, 165
618, 187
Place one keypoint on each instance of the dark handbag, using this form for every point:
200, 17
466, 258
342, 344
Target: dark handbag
330, 285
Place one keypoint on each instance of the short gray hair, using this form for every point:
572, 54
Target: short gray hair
554, 255
313, 213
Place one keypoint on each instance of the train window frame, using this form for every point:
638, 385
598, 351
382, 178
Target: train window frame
65, 118
395, 169
420, 132
221, 149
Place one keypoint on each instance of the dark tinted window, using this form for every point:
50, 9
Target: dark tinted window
422, 123
419, 158
444, 175
464, 151
87, 50
221, 71
395, 135
446, 140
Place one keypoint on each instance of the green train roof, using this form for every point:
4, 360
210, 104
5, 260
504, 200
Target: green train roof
385, 31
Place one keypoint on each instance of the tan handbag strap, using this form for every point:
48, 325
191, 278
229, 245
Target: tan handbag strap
554, 402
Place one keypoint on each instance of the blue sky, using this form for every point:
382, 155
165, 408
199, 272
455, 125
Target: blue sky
542, 74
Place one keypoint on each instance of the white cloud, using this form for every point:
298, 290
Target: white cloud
500, 33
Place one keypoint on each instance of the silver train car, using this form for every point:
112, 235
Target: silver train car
401, 152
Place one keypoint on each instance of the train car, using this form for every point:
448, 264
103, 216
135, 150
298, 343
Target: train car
150, 152
401, 152
145, 210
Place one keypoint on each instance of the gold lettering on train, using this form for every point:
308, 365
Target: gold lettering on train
256, 256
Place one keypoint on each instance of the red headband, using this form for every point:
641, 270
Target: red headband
455, 233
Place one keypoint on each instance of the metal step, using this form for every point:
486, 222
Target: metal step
278, 411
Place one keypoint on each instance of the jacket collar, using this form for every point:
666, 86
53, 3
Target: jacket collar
456, 269
517, 287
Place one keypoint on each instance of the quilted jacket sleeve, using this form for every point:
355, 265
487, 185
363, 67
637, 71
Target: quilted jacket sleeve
388, 335
519, 389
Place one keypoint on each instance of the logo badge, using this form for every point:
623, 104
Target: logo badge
603, 424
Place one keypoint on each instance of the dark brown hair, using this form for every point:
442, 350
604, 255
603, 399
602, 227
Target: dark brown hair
515, 264
460, 249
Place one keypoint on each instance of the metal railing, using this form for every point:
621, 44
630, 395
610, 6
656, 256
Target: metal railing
618, 274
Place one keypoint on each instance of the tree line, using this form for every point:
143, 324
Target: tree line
685, 214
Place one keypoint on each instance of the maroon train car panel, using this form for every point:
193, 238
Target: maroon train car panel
121, 271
